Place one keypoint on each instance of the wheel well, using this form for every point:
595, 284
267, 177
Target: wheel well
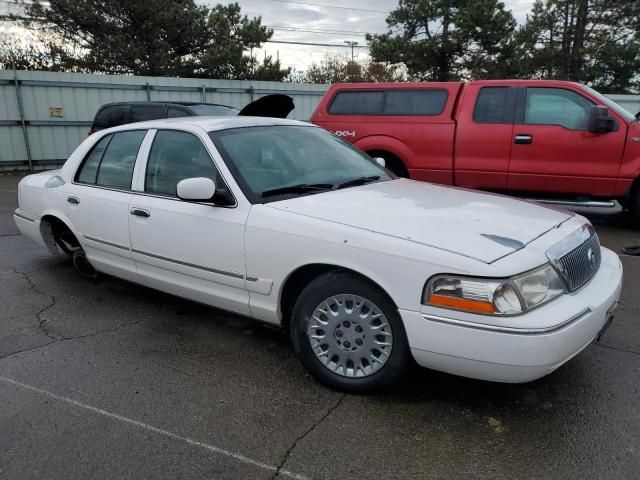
303, 276
627, 200
53, 229
394, 163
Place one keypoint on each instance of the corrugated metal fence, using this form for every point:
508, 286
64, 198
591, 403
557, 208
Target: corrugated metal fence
45, 115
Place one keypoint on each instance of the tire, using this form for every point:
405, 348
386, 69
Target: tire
393, 164
350, 335
633, 204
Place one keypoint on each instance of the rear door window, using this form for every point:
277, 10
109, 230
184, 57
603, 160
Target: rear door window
425, 102
88, 172
142, 113
112, 116
116, 167
173, 112
110, 163
495, 105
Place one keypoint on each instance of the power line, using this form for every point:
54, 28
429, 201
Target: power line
313, 44
330, 6
320, 31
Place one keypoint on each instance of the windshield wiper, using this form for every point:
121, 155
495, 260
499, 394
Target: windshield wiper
359, 181
300, 188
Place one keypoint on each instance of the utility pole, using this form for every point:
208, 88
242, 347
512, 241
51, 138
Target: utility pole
16, 83
352, 44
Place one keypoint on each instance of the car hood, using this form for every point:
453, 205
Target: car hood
276, 105
482, 226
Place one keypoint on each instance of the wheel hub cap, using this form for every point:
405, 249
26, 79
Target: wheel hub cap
350, 335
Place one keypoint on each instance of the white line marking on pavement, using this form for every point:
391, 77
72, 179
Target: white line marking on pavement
220, 451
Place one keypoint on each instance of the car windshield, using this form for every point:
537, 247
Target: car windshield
272, 161
214, 110
626, 114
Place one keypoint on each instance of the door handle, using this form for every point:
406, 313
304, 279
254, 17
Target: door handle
139, 212
523, 139
73, 200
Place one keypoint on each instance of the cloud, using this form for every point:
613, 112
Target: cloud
344, 22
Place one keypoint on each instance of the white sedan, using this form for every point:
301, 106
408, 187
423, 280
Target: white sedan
283, 222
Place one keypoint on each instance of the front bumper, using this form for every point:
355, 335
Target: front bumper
523, 350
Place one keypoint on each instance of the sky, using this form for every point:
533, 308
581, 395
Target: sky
317, 21
334, 22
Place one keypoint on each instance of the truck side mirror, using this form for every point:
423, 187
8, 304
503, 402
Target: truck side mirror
600, 121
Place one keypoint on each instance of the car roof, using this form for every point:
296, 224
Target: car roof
210, 124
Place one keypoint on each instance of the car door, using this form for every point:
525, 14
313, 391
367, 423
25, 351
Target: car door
484, 136
554, 152
97, 201
190, 249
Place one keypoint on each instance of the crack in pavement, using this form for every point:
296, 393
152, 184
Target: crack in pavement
41, 321
10, 235
40, 313
75, 337
292, 447
623, 350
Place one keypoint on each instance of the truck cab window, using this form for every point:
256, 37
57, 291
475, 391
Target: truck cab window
494, 105
557, 106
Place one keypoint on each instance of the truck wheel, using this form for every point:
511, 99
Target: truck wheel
633, 204
392, 163
348, 334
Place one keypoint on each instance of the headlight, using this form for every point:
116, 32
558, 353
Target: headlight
509, 296
539, 286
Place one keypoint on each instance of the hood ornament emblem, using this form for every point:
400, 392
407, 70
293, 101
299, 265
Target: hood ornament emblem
592, 258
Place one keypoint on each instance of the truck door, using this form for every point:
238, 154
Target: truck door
483, 137
553, 152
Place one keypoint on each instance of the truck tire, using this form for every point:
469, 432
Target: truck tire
633, 204
392, 163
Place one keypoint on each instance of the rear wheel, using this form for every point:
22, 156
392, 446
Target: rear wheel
348, 333
633, 204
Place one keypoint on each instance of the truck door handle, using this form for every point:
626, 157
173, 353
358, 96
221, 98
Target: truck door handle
523, 139
140, 212
73, 200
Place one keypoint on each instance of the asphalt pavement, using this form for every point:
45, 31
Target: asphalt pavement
106, 379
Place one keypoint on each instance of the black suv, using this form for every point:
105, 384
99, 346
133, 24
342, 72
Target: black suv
114, 114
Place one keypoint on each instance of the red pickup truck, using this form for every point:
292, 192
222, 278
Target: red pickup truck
554, 141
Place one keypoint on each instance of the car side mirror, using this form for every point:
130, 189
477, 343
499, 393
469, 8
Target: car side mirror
199, 189
202, 189
381, 161
600, 121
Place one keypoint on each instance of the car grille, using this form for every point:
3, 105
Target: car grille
577, 264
